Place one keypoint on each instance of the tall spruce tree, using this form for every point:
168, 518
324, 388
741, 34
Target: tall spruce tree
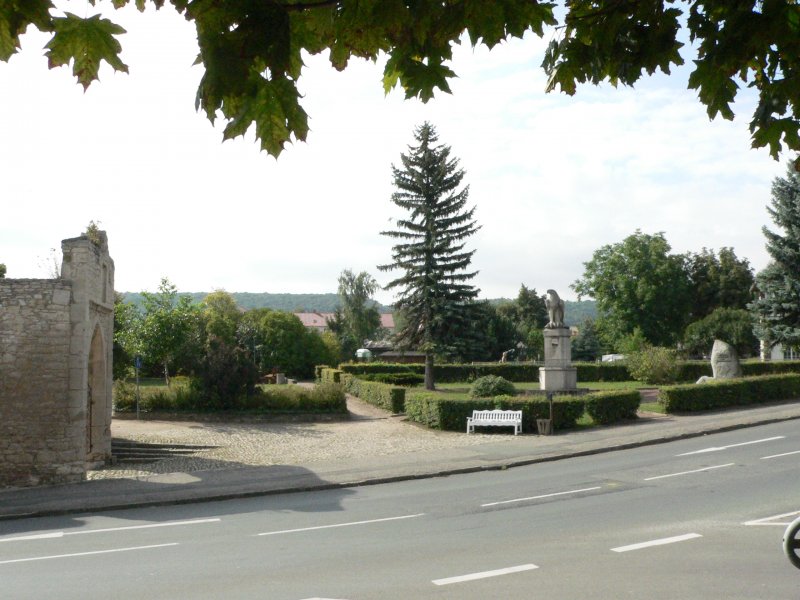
435, 298
777, 309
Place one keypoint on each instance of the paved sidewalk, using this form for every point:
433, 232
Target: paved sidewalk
439, 453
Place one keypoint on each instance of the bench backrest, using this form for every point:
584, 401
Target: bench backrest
497, 415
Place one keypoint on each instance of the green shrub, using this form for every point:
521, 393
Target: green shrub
318, 372
616, 371
329, 375
226, 374
610, 407
437, 412
178, 396
406, 379
322, 398
492, 385
729, 392
382, 395
124, 395
654, 365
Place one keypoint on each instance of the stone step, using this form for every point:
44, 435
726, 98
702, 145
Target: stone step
130, 451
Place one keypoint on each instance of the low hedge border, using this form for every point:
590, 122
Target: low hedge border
382, 395
612, 406
689, 370
329, 375
451, 415
731, 392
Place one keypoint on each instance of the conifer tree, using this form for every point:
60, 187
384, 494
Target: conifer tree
777, 309
435, 299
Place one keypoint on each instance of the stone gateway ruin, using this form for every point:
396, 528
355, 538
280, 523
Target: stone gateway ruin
56, 342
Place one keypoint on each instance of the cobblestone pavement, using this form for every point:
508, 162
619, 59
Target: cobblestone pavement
369, 432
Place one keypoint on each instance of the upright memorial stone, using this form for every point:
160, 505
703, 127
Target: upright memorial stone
557, 374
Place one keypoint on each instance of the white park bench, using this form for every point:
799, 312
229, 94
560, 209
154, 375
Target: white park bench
495, 418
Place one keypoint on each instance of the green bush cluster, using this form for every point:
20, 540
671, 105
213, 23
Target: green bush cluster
730, 392
436, 412
514, 372
612, 406
182, 396
616, 371
751, 368
451, 373
406, 378
329, 375
382, 395
489, 386
178, 396
654, 365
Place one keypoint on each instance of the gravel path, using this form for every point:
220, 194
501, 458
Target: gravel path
369, 432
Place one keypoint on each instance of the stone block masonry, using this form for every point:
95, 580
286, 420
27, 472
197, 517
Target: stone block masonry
56, 339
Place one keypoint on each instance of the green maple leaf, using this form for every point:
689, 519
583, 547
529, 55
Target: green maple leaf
274, 109
15, 16
85, 42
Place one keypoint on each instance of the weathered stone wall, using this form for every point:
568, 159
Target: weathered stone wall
55, 368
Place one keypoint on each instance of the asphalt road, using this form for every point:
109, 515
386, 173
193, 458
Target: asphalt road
700, 518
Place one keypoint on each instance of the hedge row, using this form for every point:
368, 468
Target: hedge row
450, 373
451, 415
612, 406
442, 413
732, 392
382, 395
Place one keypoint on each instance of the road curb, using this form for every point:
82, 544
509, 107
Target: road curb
199, 496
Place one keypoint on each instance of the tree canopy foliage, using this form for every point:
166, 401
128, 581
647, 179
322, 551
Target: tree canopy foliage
718, 281
2, 270
777, 308
638, 284
356, 320
252, 50
647, 295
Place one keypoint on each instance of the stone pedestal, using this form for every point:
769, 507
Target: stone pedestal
557, 374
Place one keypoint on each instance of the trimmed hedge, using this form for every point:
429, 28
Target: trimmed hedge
451, 373
689, 370
329, 375
731, 392
451, 415
323, 398
609, 407
382, 395
406, 378
770, 367
602, 371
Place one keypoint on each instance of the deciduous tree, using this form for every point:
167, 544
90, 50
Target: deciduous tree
252, 50
356, 319
638, 284
718, 281
221, 317
435, 297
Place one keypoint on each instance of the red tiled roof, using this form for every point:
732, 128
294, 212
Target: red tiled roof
316, 319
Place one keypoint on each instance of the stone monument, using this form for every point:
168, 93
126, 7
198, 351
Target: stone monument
557, 374
724, 363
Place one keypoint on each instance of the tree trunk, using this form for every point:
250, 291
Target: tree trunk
429, 372
166, 373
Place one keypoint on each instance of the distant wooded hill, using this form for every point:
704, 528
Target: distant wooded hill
286, 302
575, 313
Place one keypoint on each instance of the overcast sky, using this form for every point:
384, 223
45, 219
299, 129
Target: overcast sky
553, 177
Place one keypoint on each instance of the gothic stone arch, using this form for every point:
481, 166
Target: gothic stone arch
56, 341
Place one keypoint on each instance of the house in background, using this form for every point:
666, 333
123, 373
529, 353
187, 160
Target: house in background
318, 321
